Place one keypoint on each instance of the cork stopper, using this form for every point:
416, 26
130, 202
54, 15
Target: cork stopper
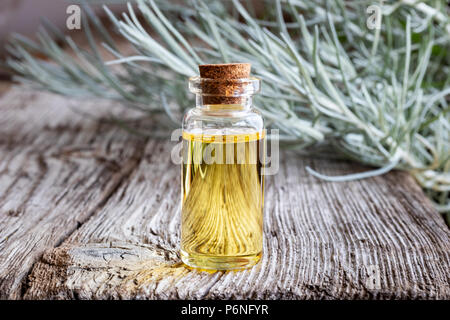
225, 71
224, 83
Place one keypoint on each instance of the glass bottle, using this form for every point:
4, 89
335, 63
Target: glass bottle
222, 176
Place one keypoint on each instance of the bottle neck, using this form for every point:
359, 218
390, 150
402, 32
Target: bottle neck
241, 103
224, 94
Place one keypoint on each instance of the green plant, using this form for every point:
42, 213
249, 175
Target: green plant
380, 97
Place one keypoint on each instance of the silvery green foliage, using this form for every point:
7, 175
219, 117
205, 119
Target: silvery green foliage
378, 96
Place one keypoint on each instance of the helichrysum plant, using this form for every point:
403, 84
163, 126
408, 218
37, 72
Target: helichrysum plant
369, 78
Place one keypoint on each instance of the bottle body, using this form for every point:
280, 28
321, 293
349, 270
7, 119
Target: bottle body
222, 187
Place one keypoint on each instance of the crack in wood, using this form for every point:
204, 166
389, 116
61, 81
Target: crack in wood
37, 202
124, 172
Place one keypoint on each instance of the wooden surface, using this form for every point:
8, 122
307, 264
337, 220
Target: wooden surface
89, 211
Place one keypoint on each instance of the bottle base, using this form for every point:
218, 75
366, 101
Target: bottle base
219, 263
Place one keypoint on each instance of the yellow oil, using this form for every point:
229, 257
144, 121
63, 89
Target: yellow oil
222, 200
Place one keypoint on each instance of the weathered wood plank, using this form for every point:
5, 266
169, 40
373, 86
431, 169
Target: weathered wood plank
103, 209
322, 241
57, 168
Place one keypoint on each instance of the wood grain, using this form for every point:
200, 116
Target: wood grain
116, 234
57, 168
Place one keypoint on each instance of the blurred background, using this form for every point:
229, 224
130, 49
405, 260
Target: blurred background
26, 16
